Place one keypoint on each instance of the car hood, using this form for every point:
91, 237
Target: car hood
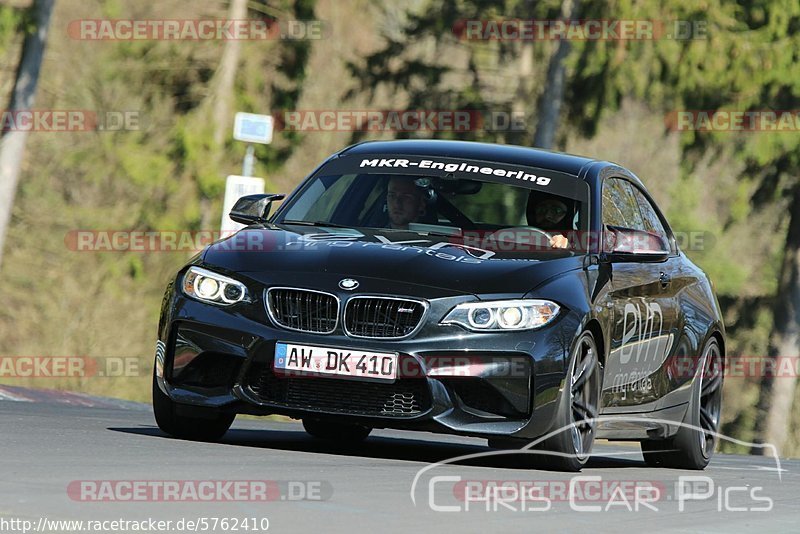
305, 255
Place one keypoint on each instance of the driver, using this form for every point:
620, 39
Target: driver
550, 215
405, 201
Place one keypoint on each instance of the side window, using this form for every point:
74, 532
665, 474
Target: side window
322, 197
619, 205
651, 221
626, 207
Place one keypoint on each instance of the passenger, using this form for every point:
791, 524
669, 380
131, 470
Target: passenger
550, 215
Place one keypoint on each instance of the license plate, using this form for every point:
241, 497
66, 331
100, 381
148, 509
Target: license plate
335, 362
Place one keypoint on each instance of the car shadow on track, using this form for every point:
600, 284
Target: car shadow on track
390, 448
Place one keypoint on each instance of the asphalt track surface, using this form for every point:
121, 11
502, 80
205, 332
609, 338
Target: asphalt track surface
49, 447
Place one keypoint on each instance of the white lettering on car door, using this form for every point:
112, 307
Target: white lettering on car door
640, 322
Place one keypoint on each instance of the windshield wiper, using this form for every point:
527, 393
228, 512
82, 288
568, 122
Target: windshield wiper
437, 233
423, 232
316, 223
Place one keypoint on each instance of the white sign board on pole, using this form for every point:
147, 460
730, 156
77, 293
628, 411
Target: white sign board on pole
253, 128
235, 187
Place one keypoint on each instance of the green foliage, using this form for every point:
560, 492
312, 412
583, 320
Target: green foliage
417, 61
11, 24
164, 174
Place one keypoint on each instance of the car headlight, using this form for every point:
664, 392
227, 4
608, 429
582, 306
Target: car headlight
501, 315
212, 287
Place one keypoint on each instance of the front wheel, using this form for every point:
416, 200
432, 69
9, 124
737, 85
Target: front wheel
210, 426
577, 416
693, 445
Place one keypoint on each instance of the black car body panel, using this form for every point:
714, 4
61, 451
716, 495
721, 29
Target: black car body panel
300, 252
223, 357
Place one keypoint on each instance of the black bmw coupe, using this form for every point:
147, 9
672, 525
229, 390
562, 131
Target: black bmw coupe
501, 292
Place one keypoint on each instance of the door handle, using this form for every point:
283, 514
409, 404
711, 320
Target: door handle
665, 280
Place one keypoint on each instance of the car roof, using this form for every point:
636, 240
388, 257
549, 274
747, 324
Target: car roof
512, 154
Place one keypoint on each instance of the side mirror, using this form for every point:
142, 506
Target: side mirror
253, 209
627, 244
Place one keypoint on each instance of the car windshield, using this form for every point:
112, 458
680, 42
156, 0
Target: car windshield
501, 217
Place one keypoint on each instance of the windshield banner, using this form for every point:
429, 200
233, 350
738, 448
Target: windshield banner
554, 182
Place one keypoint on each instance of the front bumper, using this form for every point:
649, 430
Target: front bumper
451, 380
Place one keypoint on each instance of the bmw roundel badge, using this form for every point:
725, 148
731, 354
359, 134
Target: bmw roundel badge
348, 284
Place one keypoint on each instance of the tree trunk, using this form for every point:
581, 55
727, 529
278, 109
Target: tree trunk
522, 96
549, 107
777, 394
225, 78
12, 142
222, 98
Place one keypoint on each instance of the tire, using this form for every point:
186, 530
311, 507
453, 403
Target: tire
577, 412
211, 426
344, 433
693, 445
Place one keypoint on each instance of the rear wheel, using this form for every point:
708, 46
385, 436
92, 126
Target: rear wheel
693, 445
577, 420
346, 433
209, 425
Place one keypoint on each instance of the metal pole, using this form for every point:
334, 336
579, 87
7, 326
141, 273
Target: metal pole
249, 160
